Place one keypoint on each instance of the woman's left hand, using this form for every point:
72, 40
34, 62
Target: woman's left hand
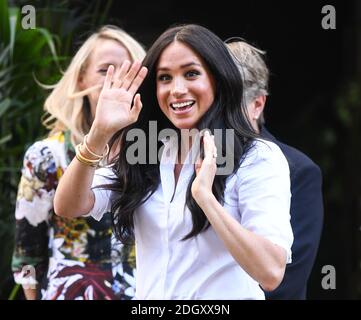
205, 170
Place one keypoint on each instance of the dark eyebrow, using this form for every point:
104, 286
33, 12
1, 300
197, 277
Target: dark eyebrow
190, 64
182, 66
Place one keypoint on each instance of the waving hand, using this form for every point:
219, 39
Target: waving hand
115, 110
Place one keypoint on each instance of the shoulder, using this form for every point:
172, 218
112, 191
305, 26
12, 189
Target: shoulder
46, 145
56, 142
263, 160
41, 157
263, 151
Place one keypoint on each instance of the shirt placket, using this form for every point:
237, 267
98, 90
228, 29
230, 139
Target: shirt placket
167, 178
172, 204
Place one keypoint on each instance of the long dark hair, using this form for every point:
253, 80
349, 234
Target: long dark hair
134, 184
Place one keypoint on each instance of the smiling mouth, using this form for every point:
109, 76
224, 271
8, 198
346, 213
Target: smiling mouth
182, 106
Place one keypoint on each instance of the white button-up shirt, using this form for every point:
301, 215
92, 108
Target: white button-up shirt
257, 196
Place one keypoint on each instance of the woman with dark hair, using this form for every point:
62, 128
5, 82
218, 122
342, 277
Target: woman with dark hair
203, 229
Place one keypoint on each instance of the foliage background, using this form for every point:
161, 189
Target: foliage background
314, 103
27, 57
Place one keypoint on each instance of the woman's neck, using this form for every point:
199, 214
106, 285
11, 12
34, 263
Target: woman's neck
186, 142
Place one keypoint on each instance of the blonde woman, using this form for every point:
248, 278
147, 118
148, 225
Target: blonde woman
72, 259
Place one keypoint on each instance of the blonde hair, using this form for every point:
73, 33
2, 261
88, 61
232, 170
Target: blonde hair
64, 107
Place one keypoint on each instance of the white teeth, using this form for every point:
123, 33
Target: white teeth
182, 104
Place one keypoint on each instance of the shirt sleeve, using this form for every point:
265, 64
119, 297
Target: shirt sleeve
263, 184
306, 221
33, 206
102, 203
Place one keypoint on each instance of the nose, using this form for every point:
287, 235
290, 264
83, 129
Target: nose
179, 88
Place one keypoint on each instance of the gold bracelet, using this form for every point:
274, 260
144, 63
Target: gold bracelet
86, 163
84, 160
100, 157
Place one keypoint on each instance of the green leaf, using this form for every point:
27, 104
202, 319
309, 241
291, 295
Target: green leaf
4, 22
50, 42
5, 139
13, 19
26, 55
4, 105
4, 55
14, 291
5, 71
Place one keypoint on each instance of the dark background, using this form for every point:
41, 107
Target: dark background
305, 60
311, 69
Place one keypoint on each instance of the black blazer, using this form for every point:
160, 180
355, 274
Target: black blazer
306, 221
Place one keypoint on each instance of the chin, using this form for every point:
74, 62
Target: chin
184, 125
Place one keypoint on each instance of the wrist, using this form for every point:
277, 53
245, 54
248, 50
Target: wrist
97, 139
204, 197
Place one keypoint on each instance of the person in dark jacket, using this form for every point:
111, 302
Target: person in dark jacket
306, 178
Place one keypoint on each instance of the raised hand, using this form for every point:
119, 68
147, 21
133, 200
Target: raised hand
114, 109
206, 169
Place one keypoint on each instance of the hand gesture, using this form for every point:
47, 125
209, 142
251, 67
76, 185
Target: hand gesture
205, 169
114, 109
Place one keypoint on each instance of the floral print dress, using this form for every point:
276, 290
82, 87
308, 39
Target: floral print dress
75, 258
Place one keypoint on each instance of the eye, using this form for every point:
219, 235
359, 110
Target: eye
164, 77
103, 71
192, 73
